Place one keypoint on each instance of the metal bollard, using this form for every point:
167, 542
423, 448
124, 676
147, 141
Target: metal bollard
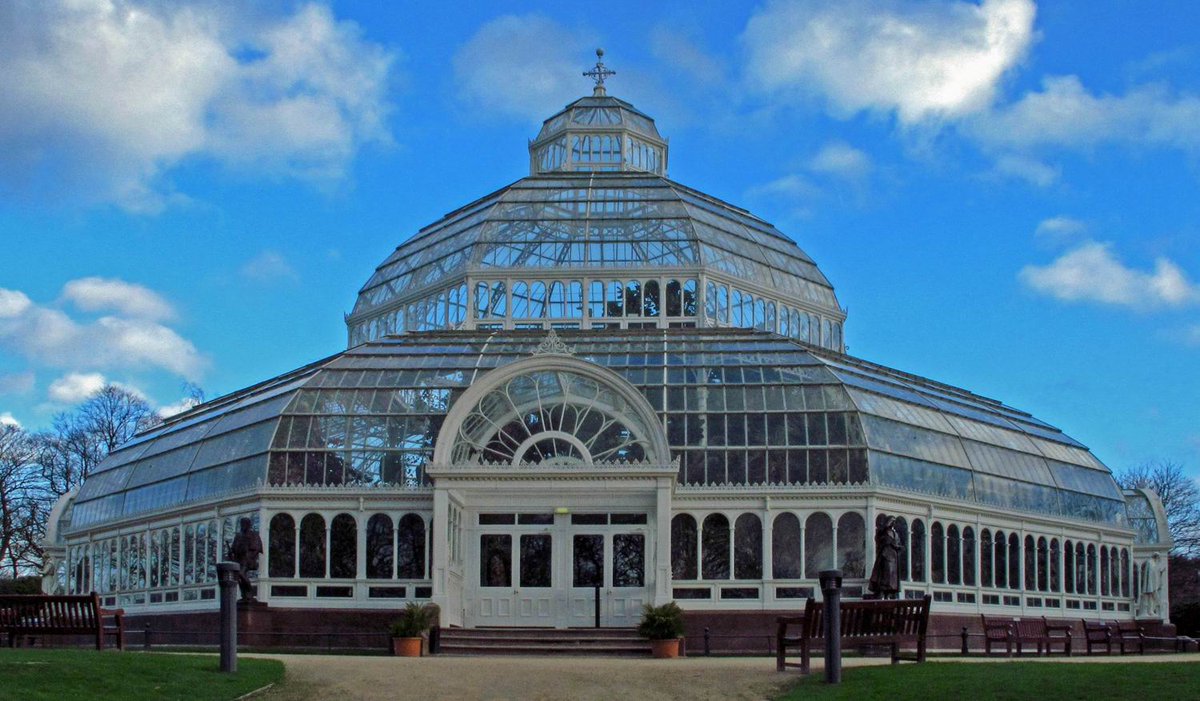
146, 637
227, 573
707, 642
831, 590
597, 600
964, 640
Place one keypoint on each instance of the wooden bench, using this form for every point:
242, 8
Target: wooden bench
1097, 633
60, 615
882, 622
1018, 632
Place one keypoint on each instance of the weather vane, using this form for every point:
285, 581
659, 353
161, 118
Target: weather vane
599, 73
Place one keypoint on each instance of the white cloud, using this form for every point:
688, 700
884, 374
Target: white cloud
104, 97
791, 186
17, 383
76, 387
921, 61
1090, 272
50, 337
7, 419
1059, 228
1028, 169
521, 66
841, 160
1066, 114
98, 294
268, 266
177, 408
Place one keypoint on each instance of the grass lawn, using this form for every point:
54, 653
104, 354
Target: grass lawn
80, 675
1007, 681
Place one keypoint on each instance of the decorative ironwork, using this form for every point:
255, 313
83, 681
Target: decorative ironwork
554, 345
599, 73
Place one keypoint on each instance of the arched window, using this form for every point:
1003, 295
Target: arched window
747, 547
1081, 577
1104, 571
902, 564
379, 547
786, 551
818, 545
771, 326
558, 300
689, 298
1014, 561
937, 552
281, 548
985, 558
596, 299
851, 545
1055, 570
674, 298
1091, 569
953, 556
1030, 564
785, 322
1068, 567
800, 327
710, 301
715, 547
760, 313
633, 298
1114, 559
410, 547
616, 299
1001, 560
747, 310
1125, 574
537, 300
343, 547
651, 303
683, 547
312, 546
499, 301
1043, 567
736, 304
918, 550
968, 556
723, 304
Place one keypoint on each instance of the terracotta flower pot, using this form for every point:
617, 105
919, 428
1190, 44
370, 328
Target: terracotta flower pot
406, 647
665, 649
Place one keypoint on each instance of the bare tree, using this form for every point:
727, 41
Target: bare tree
1180, 496
81, 439
23, 503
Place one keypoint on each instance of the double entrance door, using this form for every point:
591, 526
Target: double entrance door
555, 569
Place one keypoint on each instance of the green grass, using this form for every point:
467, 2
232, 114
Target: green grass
1007, 681
79, 675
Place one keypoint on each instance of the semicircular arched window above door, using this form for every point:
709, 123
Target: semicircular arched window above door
552, 417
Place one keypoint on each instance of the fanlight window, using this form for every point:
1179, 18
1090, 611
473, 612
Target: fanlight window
551, 417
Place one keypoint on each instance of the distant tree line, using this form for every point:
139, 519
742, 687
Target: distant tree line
36, 468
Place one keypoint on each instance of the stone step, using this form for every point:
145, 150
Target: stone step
542, 641
638, 649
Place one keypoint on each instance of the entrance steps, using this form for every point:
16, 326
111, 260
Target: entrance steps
543, 641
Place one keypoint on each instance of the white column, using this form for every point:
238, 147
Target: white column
662, 521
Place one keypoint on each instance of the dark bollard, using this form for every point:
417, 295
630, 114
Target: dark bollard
707, 642
146, 638
964, 640
227, 573
831, 590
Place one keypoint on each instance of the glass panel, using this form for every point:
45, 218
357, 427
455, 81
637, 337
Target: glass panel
410, 547
953, 556
282, 546
379, 547
629, 560
852, 545
588, 560
683, 547
495, 560
1000, 552
747, 553
818, 545
968, 556
536, 560
343, 547
312, 546
918, 550
937, 552
786, 552
715, 545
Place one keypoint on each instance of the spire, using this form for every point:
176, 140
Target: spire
599, 73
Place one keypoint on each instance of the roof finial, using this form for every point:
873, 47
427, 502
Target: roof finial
599, 73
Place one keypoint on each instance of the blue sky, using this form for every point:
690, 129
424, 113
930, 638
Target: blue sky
1004, 194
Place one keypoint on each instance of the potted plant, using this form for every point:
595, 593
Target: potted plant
663, 627
407, 630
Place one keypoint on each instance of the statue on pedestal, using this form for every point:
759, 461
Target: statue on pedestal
885, 575
1149, 604
246, 547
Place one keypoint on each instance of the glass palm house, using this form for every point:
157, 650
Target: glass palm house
599, 377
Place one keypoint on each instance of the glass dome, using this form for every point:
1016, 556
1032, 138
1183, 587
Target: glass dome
740, 409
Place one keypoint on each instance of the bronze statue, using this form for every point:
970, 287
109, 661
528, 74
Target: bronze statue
246, 548
885, 575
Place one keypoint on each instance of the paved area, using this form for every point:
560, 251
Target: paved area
350, 678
